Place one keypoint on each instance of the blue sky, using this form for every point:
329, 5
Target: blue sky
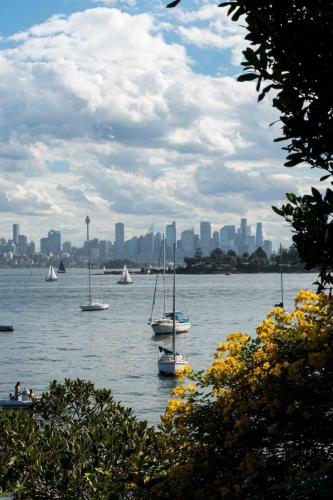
131, 112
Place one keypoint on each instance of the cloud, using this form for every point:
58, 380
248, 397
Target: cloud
142, 132
22, 200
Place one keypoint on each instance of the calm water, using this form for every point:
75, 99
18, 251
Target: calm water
53, 339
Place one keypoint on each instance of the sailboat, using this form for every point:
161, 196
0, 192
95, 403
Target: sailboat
125, 277
165, 324
52, 275
170, 361
92, 305
62, 268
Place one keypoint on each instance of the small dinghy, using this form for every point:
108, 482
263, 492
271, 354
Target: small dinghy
6, 328
15, 404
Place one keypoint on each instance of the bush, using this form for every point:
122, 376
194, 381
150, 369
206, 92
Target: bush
258, 422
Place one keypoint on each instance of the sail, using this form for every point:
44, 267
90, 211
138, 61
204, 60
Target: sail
52, 273
62, 268
125, 276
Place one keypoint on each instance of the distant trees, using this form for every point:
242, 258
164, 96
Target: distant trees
219, 261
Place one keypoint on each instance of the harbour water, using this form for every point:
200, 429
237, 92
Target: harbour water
54, 339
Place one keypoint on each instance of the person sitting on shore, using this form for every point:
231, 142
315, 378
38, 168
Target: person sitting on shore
17, 390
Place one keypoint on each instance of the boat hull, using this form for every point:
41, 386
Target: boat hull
124, 282
15, 404
6, 328
165, 327
94, 306
168, 364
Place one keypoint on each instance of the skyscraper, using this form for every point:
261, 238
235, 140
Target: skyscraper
243, 234
259, 236
267, 248
119, 233
205, 236
187, 242
16, 232
119, 240
170, 234
228, 238
54, 239
215, 240
22, 245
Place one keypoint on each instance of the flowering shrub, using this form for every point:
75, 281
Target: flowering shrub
258, 421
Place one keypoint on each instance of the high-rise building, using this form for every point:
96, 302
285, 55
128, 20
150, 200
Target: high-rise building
31, 248
157, 246
187, 242
105, 249
259, 235
131, 247
119, 233
16, 232
228, 238
243, 234
22, 245
44, 246
215, 240
267, 248
249, 244
119, 240
196, 244
205, 236
66, 247
54, 238
146, 246
170, 234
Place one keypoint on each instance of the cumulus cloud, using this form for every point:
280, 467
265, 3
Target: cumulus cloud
142, 131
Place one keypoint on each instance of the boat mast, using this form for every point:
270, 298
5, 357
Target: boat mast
157, 274
281, 275
163, 276
174, 303
88, 241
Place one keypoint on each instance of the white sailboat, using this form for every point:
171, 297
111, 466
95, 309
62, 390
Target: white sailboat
52, 275
170, 361
165, 324
125, 277
92, 305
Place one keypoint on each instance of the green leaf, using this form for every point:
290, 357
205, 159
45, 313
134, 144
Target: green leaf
172, 4
247, 77
292, 198
278, 211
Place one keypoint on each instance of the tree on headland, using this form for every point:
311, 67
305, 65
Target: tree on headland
290, 53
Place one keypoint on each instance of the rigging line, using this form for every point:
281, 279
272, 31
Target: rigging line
158, 269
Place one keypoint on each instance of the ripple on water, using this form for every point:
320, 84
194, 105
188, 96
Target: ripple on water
116, 348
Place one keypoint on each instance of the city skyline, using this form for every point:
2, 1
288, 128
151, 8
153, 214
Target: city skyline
150, 127
145, 248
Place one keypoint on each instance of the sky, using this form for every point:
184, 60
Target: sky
131, 112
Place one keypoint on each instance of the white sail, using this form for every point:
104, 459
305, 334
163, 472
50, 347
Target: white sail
125, 277
52, 275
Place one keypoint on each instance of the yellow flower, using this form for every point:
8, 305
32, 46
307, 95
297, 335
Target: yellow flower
179, 391
191, 388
